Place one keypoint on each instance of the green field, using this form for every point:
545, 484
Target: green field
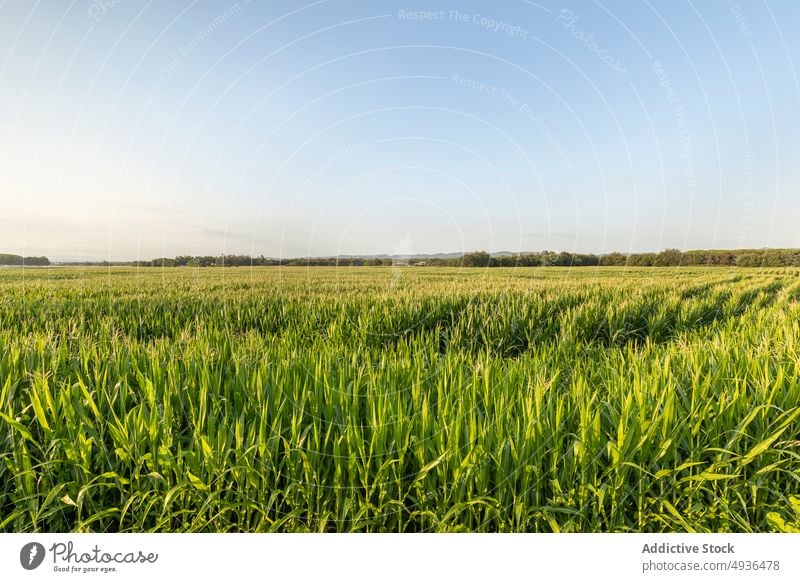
399, 399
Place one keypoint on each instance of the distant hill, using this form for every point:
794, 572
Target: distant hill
401, 256
416, 256
18, 261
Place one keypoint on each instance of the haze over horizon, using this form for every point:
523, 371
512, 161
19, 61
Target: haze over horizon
144, 130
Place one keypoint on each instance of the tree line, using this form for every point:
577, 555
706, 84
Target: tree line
665, 258
18, 261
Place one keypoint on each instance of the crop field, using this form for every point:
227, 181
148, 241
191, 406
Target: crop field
399, 399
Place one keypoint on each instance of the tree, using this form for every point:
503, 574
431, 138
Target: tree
476, 259
669, 258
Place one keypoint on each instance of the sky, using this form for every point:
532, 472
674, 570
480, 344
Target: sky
135, 129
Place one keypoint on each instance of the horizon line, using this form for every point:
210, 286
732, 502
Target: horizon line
438, 254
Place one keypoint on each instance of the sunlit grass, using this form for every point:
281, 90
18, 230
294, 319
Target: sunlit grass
399, 399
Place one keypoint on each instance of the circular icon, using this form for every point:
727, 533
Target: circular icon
31, 555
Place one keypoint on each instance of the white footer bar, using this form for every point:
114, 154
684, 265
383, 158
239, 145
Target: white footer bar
370, 557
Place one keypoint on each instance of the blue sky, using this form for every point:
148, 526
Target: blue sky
143, 129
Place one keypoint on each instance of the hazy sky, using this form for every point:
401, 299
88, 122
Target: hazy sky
133, 129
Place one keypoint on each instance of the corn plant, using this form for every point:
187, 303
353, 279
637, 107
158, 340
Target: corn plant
372, 400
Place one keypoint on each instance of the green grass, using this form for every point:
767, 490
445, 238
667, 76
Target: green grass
413, 399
